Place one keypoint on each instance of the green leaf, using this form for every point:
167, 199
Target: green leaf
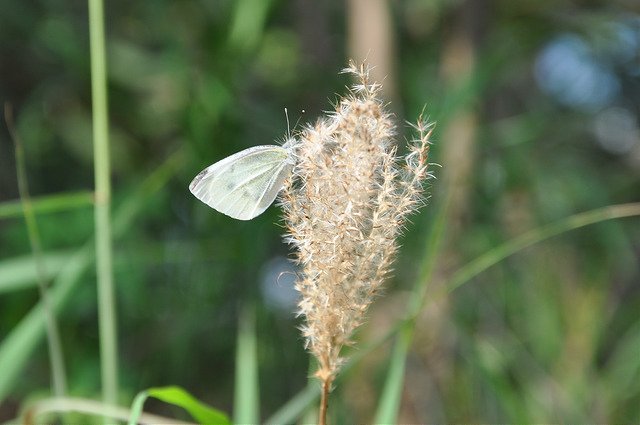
179, 397
389, 405
48, 204
20, 272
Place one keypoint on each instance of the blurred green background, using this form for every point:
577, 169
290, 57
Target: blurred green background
536, 104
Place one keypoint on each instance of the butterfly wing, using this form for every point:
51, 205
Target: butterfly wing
243, 185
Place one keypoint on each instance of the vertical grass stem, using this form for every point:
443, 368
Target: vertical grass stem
106, 299
56, 357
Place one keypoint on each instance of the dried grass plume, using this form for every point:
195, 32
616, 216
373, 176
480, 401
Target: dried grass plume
344, 208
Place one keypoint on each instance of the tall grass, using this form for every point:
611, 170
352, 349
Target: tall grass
18, 346
56, 356
104, 268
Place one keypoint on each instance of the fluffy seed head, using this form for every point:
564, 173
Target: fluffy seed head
344, 209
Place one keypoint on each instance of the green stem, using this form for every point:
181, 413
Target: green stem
431, 250
56, 357
534, 236
106, 298
389, 403
246, 409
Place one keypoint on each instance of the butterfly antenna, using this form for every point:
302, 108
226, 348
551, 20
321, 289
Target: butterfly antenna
298, 120
286, 114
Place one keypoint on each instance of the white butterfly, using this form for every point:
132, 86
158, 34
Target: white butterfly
244, 184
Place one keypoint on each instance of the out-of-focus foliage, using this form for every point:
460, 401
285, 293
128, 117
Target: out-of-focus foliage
553, 100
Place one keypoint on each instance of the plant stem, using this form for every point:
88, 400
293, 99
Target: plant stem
56, 357
246, 409
389, 404
532, 237
324, 401
106, 299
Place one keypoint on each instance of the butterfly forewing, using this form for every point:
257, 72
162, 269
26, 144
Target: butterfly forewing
243, 185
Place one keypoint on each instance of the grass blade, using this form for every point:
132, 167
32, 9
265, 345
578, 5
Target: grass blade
389, 404
86, 406
24, 338
16, 348
177, 396
538, 235
56, 357
297, 405
246, 399
48, 204
20, 272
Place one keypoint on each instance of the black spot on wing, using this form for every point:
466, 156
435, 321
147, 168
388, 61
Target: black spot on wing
197, 179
